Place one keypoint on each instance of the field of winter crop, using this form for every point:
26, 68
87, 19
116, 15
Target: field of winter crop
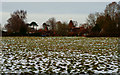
59, 55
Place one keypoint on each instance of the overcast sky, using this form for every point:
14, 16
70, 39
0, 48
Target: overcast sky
41, 11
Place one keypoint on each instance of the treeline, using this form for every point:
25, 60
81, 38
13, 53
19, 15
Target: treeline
98, 24
107, 23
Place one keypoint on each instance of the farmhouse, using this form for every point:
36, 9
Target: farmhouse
76, 31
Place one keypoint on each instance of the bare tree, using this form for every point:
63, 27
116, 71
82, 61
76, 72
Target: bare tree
17, 22
0, 30
0, 27
52, 23
91, 19
111, 9
75, 23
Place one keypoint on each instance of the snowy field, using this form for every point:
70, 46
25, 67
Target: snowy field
59, 55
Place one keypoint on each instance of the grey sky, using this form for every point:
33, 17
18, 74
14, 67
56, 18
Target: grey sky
55, 7
64, 11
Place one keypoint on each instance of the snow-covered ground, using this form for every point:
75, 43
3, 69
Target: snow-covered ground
59, 55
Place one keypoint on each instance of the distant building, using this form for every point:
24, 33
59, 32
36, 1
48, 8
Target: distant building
76, 31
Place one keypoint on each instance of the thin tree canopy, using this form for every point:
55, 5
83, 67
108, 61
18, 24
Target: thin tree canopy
17, 22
